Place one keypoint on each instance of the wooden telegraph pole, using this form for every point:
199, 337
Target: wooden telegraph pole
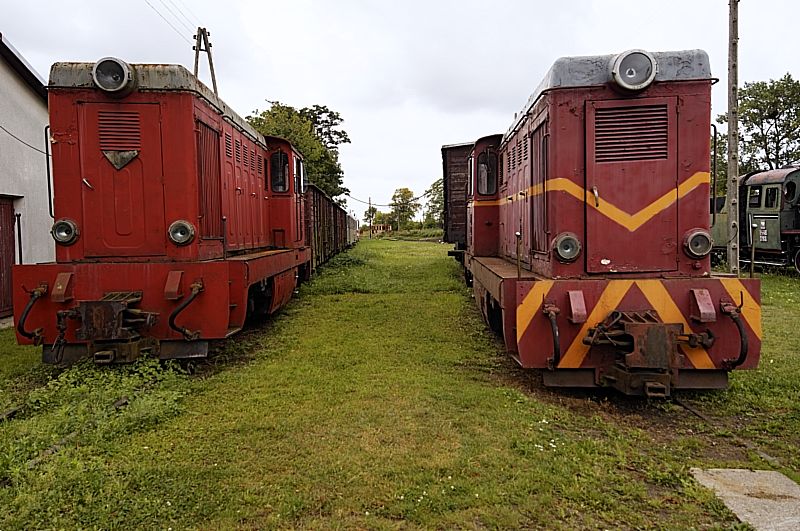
733, 137
203, 45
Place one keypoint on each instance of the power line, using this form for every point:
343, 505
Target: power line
18, 139
184, 15
379, 205
195, 17
176, 18
168, 22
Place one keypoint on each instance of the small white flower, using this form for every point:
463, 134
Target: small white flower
169, 504
366, 513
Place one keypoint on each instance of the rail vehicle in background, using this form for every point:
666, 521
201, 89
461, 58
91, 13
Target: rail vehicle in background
587, 230
175, 220
770, 200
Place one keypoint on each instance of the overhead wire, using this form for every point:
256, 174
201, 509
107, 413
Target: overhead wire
176, 17
18, 139
189, 10
383, 205
192, 26
168, 22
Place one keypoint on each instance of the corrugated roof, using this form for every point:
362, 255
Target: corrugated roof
22, 67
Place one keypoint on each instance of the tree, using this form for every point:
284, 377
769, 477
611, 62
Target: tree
769, 119
404, 206
322, 164
325, 123
369, 215
434, 208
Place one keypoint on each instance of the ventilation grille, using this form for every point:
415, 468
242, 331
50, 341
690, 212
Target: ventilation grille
631, 133
228, 145
119, 130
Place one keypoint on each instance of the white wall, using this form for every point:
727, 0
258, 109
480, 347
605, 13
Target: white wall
22, 169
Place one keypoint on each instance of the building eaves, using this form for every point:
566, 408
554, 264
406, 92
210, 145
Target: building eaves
22, 68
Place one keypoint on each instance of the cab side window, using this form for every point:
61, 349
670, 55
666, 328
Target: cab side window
487, 173
771, 197
790, 191
754, 197
280, 172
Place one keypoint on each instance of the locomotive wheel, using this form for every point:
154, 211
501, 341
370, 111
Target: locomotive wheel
797, 260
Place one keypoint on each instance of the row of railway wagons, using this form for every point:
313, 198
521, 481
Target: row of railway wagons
175, 220
584, 229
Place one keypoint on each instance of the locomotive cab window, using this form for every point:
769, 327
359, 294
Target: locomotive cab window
469, 176
790, 191
487, 174
280, 172
299, 176
754, 197
771, 197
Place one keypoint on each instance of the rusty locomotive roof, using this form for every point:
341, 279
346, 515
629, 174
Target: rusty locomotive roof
772, 176
152, 77
591, 70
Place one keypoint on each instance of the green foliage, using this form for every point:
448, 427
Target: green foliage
369, 215
434, 209
378, 400
404, 206
313, 132
769, 124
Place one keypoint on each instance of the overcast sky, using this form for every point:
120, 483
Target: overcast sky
406, 76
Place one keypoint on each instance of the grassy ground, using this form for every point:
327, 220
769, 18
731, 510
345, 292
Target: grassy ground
377, 400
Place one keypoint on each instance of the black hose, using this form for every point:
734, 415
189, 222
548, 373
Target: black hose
556, 341
35, 296
188, 334
743, 347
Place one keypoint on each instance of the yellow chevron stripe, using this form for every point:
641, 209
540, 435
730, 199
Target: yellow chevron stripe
630, 221
530, 305
750, 311
609, 300
661, 301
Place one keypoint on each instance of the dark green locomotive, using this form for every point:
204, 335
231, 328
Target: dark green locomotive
769, 213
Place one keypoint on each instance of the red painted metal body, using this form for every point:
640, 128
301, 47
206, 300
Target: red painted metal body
125, 169
624, 177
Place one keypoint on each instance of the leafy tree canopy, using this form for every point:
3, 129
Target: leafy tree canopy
434, 209
313, 132
369, 215
404, 206
769, 124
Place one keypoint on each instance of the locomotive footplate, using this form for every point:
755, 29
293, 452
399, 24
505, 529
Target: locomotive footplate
646, 350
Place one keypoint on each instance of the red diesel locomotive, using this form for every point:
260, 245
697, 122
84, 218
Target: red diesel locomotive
174, 219
587, 230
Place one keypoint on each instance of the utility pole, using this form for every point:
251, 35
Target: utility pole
369, 210
202, 45
733, 137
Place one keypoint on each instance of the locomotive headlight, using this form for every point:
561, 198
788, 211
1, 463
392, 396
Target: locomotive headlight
634, 69
64, 231
113, 76
567, 247
698, 243
181, 232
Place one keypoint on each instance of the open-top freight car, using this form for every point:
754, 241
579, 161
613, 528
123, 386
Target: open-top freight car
174, 219
587, 230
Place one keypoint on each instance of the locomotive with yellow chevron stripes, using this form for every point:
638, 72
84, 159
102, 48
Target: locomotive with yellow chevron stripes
587, 230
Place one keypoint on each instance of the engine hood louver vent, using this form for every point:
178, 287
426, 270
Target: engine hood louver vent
631, 133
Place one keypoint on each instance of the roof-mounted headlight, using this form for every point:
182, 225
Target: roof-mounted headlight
113, 75
634, 70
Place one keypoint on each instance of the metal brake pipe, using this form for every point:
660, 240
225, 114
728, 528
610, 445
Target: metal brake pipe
197, 287
36, 294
